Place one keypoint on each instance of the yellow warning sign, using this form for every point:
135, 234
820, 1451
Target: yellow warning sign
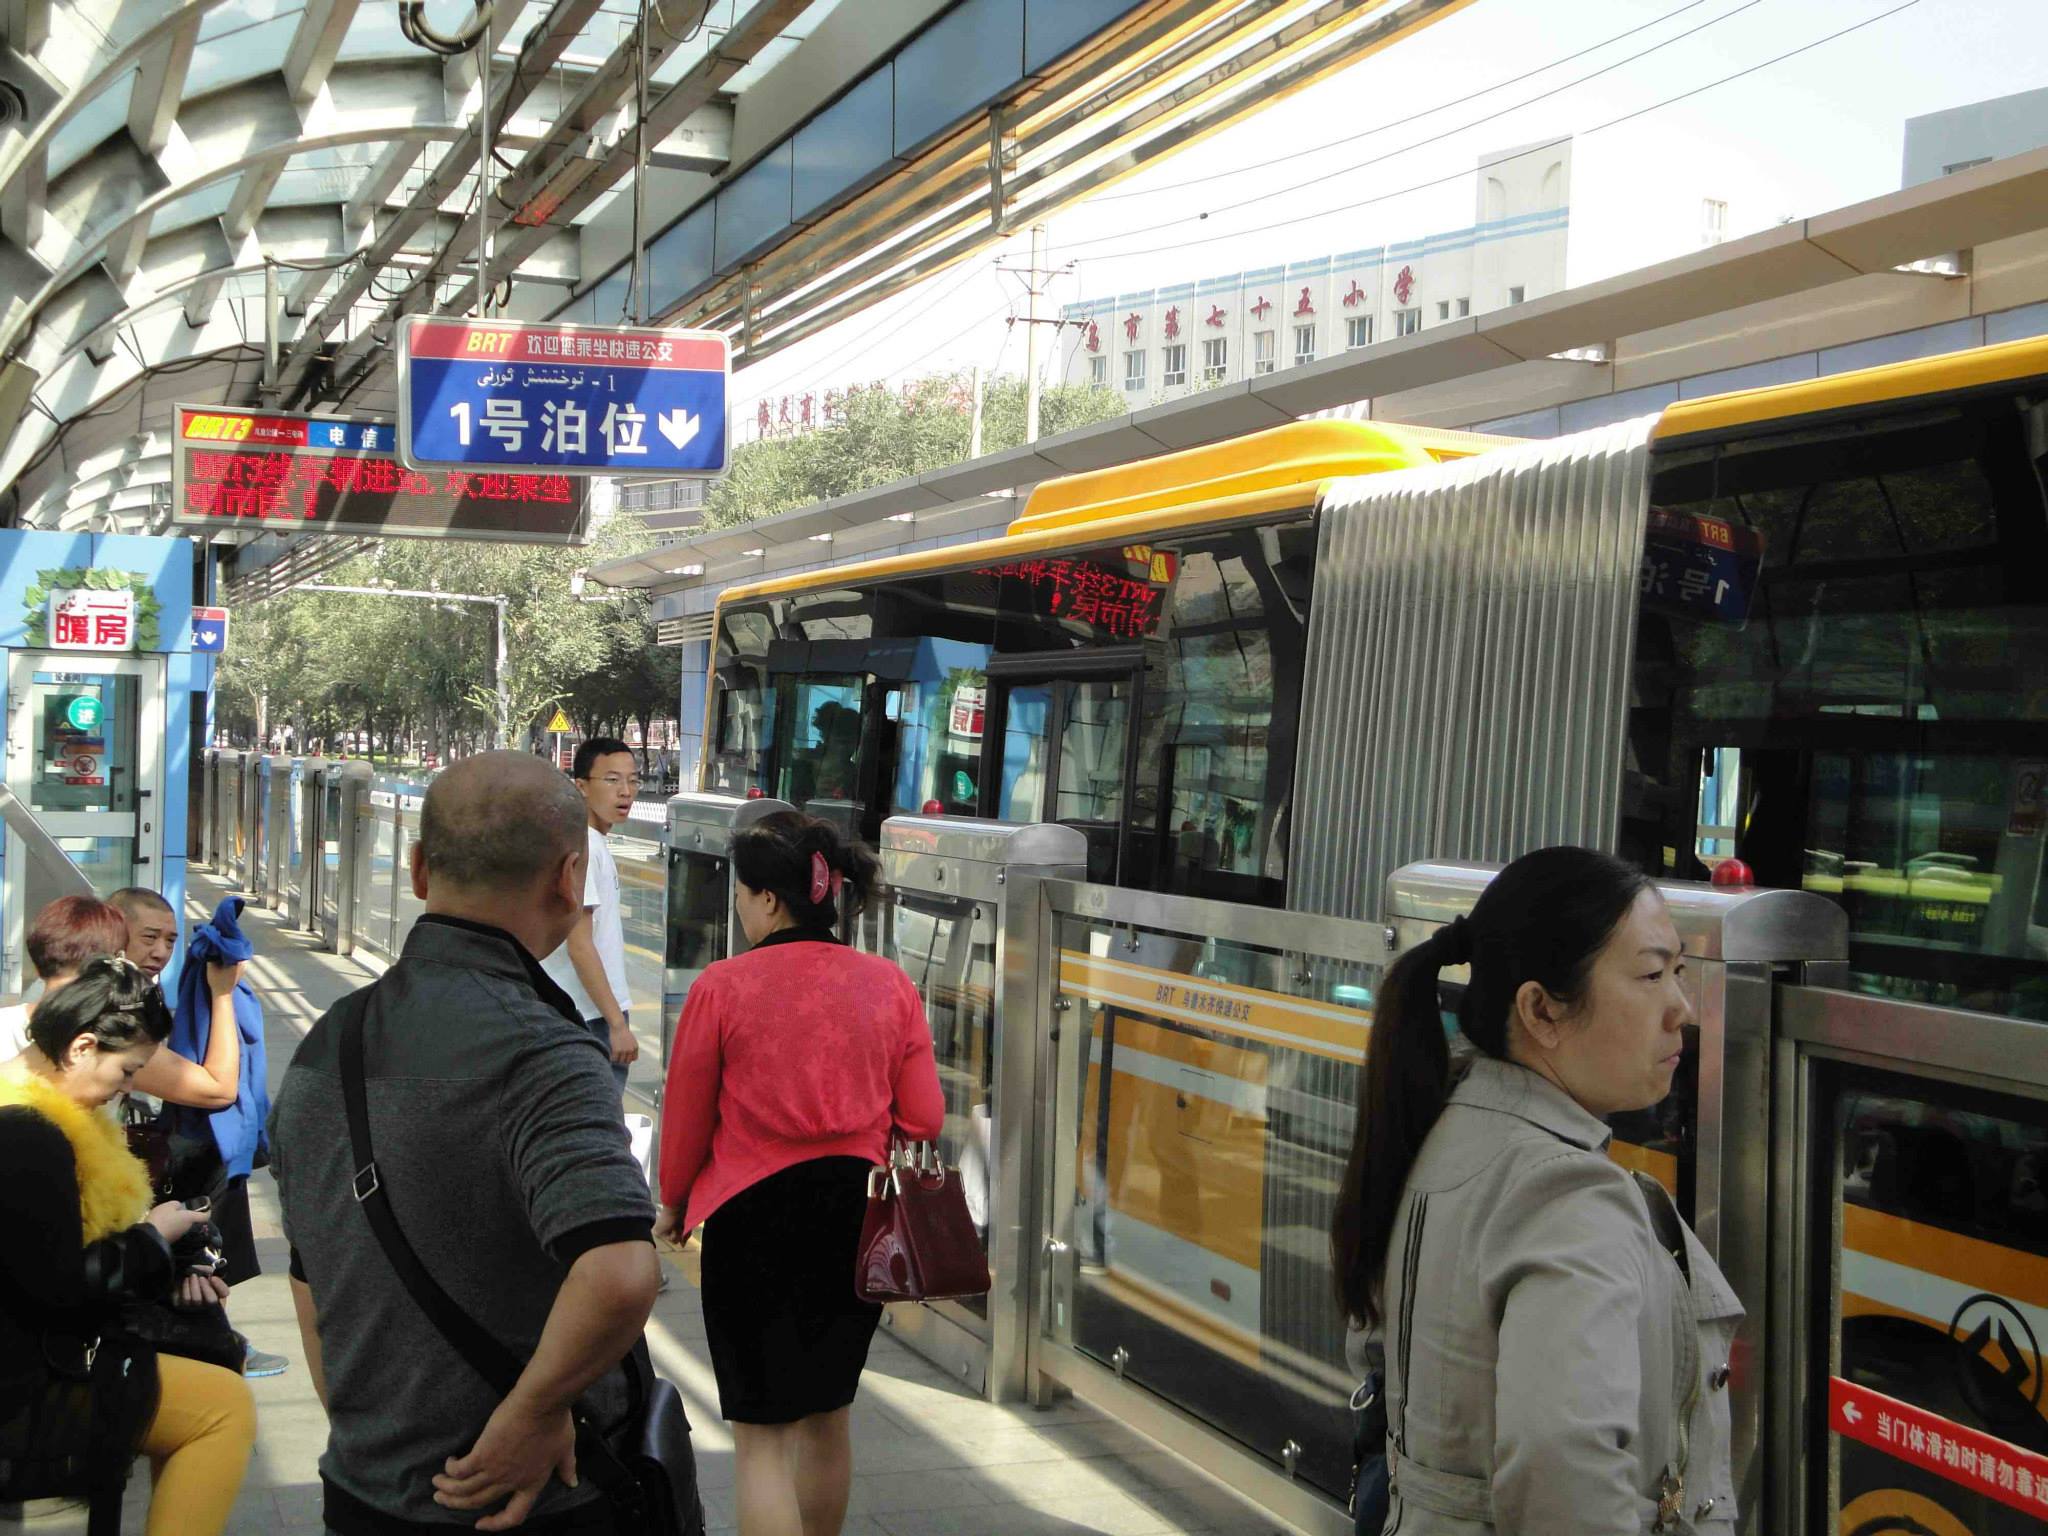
560, 722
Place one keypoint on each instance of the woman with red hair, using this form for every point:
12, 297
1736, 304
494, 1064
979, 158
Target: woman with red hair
70, 931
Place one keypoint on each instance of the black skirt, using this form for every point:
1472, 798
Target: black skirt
789, 1338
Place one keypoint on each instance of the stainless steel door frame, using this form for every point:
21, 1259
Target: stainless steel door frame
993, 870
1820, 1029
1058, 1362
304, 912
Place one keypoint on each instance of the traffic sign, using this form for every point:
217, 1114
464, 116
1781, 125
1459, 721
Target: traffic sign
571, 399
209, 630
82, 712
560, 723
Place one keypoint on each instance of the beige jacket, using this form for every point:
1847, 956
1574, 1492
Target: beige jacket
1540, 1341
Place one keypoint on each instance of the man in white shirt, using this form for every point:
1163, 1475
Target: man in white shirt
591, 965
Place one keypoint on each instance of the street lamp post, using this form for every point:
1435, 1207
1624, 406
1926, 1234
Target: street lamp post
498, 604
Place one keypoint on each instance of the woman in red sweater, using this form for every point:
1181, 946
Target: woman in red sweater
792, 1066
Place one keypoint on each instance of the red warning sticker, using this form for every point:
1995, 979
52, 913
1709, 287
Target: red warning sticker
1995, 1468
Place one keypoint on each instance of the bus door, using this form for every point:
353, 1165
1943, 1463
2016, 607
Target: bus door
1059, 746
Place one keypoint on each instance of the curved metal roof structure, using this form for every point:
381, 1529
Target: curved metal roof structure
230, 201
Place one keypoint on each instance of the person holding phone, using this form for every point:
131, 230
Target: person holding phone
79, 1398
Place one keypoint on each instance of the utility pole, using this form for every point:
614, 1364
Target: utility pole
1037, 280
1031, 334
974, 421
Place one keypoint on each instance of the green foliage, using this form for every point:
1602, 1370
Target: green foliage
335, 662
76, 578
883, 435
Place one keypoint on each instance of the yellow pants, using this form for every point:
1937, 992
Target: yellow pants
198, 1447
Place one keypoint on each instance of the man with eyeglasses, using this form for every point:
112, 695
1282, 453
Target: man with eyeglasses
591, 965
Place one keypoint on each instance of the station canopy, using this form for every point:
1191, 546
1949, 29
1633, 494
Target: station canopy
231, 202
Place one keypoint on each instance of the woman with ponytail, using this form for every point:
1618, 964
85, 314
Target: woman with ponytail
1554, 1341
793, 1066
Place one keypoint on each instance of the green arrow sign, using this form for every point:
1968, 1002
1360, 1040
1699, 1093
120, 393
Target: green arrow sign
82, 710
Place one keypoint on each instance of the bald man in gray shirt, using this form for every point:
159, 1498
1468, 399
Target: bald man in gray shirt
498, 1141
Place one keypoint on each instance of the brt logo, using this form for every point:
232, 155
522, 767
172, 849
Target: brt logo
1998, 1360
219, 429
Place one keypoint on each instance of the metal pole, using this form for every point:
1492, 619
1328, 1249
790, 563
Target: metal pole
272, 307
1031, 335
484, 48
638, 297
504, 695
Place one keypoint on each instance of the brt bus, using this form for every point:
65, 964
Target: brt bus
1803, 626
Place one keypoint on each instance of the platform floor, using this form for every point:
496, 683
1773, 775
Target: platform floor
929, 1460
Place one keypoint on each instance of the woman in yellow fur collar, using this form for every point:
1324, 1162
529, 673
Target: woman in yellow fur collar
79, 1400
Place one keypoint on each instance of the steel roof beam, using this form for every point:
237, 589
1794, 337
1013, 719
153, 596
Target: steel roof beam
160, 86
749, 35
315, 46
542, 48
605, 91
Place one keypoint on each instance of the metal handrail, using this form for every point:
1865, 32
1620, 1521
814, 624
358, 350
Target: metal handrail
42, 848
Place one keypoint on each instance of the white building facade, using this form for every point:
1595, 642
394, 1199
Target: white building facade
1163, 343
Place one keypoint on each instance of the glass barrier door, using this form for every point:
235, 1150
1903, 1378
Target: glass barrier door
947, 945
1928, 1229
85, 747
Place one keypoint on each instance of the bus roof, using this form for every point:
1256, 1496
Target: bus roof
1244, 477
1920, 378
1301, 453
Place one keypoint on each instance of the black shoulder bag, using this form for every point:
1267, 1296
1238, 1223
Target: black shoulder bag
646, 1470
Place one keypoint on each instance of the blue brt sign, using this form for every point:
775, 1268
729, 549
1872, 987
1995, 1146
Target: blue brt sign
571, 399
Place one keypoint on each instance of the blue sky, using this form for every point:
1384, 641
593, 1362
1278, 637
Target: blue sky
1814, 132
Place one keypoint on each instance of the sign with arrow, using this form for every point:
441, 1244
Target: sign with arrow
209, 631
510, 398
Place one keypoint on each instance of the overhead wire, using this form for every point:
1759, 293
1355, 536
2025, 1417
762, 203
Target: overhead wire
1465, 127
1460, 175
1400, 122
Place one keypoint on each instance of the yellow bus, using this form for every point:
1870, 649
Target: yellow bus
1805, 627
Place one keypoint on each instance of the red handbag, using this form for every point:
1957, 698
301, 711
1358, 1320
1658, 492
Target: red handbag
917, 1242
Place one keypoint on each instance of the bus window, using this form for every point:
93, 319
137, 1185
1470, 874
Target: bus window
823, 760
1842, 679
1062, 758
744, 709
1222, 692
940, 727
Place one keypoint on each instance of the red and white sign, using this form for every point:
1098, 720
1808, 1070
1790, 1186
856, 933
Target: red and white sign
1983, 1463
970, 706
545, 343
83, 620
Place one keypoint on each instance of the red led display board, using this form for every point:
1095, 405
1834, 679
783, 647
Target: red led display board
288, 473
1110, 594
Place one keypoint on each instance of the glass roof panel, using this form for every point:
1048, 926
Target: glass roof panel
208, 202
375, 34
255, 47
326, 175
90, 124
235, 15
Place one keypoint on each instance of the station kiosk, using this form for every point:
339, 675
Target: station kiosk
963, 917
99, 690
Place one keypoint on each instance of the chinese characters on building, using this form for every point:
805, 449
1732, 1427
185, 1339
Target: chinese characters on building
92, 621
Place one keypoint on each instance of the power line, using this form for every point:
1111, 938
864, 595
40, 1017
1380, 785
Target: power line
1448, 133
1460, 175
972, 269
1413, 117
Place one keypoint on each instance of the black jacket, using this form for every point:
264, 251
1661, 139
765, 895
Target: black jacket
69, 1382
